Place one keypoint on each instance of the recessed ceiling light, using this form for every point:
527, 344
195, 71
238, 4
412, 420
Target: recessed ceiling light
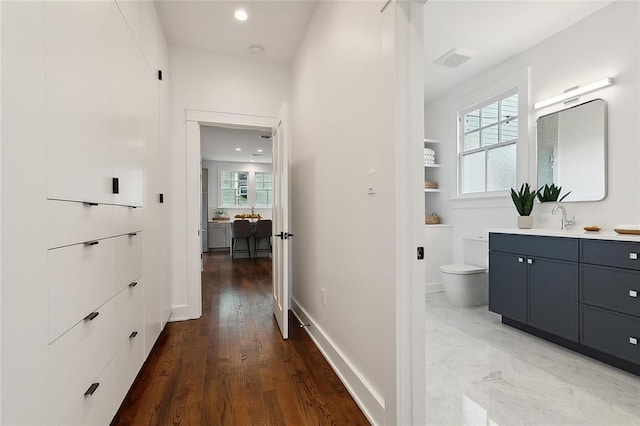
241, 15
253, 161
259, 150
238, 149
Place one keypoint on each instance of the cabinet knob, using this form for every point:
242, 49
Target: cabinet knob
633, 293
133, 284
633, 340
133, 334
530, 261
633, 256
91, 389
520, 260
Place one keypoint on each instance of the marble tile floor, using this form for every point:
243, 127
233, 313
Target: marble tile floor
481, 372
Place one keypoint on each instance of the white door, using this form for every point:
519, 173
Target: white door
281, 249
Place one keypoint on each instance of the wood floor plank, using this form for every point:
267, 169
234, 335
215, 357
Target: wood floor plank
232, 367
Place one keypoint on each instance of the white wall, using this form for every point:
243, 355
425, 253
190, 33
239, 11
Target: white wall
605, 44
207, 82
215, 167
343, 126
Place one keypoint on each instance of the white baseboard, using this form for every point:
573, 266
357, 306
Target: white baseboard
179, 313
370, 402
433, 288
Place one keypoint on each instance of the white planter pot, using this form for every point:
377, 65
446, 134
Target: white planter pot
525, 222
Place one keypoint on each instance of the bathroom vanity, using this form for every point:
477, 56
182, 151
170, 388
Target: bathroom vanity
576, 289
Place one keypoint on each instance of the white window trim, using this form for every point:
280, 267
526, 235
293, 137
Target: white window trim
524, 151
251, 189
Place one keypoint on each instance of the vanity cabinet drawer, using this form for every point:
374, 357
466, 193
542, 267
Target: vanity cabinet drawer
611, 332
77, 357
79, 279
559, 248
127, 259
126, 219
619, 254
97, 406
129, 310
71, 222
127, 362
610, 288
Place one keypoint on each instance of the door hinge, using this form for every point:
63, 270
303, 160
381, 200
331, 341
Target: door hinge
420, 253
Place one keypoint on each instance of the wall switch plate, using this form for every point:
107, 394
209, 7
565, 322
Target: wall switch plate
372, 182
324, 296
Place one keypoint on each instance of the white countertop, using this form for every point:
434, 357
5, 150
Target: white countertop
570, 233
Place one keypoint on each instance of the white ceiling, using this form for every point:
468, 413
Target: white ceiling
276, 26
219, 144
491, 31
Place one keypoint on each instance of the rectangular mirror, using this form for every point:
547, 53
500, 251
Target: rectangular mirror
572, 151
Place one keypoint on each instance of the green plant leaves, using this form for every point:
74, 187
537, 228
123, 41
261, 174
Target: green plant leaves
551, 192
523, 199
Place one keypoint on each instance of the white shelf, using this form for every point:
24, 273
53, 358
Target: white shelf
433, 165
432, 190
427, 140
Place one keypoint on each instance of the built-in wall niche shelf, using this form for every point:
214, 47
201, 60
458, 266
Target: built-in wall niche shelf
428, 140
432, 190
433, 165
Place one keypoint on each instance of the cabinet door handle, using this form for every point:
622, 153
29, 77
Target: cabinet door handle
89, 204
91, 389
633, 256
520, 260
530, 261
132, 335
115, 185
633, 293
633, 340
91, 316
91, 243
133, 284
133, 234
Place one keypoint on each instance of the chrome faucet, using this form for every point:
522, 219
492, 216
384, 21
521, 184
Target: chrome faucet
565, 223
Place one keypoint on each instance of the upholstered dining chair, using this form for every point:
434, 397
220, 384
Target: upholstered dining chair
241, 229
263, 231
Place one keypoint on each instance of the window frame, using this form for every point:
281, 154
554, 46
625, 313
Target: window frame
268, 190
462, 112
251, 189
238, 189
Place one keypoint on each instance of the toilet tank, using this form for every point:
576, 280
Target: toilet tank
476, 251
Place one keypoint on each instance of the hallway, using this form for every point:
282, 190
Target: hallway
232, 367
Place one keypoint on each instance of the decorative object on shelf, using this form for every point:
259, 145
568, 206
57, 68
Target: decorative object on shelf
523, 200
592, 228
433, 219
429, 156
220, 214
431, 184
628, 229
248, 216
551, 192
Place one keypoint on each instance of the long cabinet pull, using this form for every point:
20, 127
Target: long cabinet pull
132, 335
133, 284
91, 389
89, 204
91, 316
91, 243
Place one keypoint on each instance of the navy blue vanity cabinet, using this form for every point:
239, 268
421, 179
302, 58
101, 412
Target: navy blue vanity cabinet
533, 280
609, 303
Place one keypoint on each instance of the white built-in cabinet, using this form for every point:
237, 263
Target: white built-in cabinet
83, 304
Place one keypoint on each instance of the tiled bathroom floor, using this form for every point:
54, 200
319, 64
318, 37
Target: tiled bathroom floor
481, 372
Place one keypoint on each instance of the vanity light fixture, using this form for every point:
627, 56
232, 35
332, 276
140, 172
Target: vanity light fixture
574, 93
241, 15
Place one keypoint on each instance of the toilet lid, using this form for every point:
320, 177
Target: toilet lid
461, 269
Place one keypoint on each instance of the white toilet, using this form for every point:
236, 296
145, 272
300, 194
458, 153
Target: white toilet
467, 284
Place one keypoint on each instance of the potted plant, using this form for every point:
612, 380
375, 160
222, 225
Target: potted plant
523, 200
550, 193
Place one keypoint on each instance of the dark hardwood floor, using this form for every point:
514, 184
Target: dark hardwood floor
232, 367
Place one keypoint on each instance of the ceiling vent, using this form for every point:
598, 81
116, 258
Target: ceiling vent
265, 137
258, 154
453, 58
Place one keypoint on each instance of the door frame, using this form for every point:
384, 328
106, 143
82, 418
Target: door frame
193, 120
